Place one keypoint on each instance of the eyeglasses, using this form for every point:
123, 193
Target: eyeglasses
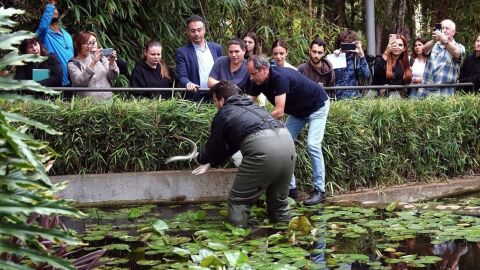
89, 43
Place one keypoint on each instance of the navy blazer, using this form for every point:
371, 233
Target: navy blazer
187, 63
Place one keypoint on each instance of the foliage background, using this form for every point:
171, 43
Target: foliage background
128, 24
367, 142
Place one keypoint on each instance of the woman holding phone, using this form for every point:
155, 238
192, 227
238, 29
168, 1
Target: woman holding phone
393, 67
89, 68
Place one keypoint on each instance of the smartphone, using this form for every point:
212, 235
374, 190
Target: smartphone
348, 46
392, 38
438, 27
107, 52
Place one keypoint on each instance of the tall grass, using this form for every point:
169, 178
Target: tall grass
367, 142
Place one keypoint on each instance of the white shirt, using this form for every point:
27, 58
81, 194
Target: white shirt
205, 63
418, 68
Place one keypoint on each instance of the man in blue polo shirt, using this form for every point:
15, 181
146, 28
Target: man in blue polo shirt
55, 39
305, 102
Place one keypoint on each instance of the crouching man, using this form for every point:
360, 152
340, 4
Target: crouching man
268, 154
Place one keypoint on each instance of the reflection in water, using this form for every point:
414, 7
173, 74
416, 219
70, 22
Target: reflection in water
318, 253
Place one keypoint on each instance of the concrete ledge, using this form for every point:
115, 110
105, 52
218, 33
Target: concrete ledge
415, 192
146, 187
167, 187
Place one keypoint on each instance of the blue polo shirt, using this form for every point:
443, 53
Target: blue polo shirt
221, 71
304, 96
61, 44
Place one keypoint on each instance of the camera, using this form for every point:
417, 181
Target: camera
438, 27
107, 52
348, 46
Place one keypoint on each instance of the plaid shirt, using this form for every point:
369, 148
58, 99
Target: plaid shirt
442, 68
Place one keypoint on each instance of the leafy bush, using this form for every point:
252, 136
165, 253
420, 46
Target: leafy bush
367, 142
31, 234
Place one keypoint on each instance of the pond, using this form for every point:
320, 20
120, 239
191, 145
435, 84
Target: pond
320, 237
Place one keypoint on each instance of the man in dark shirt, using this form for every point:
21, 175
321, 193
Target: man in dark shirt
305, 102
470, 71
318, 68
267, 148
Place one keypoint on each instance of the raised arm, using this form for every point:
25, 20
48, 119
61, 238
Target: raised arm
45, 20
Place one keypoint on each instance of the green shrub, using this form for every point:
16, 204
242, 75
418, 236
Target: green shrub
367, 142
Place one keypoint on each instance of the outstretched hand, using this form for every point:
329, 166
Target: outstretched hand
201, 169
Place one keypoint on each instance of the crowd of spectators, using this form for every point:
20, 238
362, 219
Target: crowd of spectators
82, 62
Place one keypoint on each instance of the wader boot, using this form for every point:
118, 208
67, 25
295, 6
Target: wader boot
268, 162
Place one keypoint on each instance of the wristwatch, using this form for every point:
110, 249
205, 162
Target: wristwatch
445, 43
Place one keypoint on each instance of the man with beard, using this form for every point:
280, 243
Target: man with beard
318, 69
55, 39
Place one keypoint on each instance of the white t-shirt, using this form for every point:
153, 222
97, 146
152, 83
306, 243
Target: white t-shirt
418, 68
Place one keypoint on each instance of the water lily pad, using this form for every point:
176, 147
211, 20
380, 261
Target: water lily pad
217, 246
117, 247
301, 224
182, 252
148, 262
236, 258
159, 225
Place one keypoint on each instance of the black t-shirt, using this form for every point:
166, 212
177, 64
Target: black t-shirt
380, 73
304, 96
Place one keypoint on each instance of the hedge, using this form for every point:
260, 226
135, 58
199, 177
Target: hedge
369, 142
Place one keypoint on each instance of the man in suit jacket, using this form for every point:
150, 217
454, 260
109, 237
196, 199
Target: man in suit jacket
195, 60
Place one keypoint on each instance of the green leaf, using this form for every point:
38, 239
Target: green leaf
300, 224
392, 206
160, 226
26, 232
217, 246
36, 256
8, 40
8, 83
182, 252
235, 258
134, 214
11, 265
14, 59
15, 117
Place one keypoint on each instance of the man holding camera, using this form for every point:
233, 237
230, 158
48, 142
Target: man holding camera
318, 69
305, 102
348, 42
445, 58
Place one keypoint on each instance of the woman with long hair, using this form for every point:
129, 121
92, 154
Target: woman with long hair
90, 67
151, 71
51, 65
252, 45
280, 52
418, 60
393, 67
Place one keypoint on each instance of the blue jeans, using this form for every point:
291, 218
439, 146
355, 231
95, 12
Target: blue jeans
317, 122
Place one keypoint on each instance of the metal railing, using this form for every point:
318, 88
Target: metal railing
331, 88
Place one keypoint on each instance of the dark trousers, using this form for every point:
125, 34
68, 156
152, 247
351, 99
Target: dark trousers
268, 163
